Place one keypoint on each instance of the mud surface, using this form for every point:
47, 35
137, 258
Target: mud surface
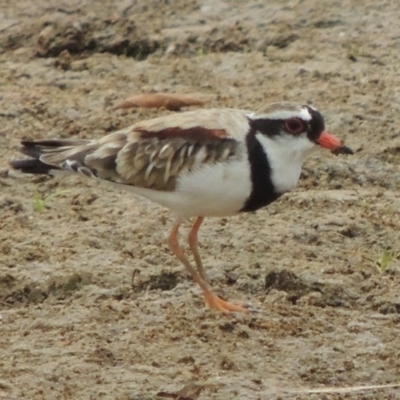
94, 306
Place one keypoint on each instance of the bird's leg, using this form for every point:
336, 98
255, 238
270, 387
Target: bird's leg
192, 239
212, 300
178, 252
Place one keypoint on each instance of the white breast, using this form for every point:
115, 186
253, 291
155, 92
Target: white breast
214, 190
286, 155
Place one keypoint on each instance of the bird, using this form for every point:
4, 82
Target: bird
204, 163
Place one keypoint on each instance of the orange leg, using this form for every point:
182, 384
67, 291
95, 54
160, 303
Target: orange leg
212, 300
192, 239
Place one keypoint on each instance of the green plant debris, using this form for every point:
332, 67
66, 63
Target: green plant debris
41, 201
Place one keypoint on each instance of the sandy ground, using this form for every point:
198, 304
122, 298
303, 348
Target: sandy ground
94, 306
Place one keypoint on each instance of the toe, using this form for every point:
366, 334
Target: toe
213, 302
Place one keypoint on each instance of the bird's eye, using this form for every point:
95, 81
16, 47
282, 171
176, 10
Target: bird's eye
295, 126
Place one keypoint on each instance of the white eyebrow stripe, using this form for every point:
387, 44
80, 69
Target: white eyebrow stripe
303, 114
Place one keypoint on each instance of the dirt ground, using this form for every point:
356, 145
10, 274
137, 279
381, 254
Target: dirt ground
94, 306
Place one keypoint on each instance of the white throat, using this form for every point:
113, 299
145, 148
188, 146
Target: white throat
286, 155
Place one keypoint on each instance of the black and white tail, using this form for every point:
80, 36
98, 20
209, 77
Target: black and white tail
49, 156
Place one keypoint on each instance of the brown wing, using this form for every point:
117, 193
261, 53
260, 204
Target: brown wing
154, 159
151, 154
157, 151
156, 164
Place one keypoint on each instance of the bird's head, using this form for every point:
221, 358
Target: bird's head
295, 128
287, 133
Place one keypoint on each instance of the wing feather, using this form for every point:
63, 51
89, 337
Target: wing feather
151, 154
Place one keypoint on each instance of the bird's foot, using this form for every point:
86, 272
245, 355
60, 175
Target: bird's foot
213, 302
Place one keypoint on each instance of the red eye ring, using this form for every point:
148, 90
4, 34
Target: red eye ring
295, 126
